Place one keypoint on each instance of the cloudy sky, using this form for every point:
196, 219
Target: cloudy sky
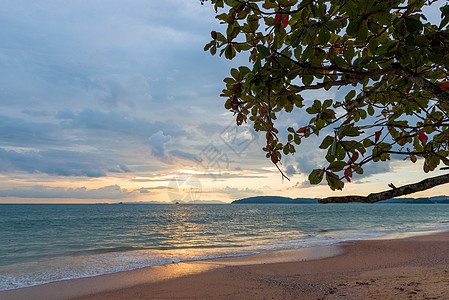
109, 101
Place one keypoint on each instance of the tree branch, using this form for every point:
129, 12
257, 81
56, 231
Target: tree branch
403, 190
395, 69
425, 84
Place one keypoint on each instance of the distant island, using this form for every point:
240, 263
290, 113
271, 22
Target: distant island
275, 200
287, 200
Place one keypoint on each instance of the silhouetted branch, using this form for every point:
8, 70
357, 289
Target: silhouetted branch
396, 192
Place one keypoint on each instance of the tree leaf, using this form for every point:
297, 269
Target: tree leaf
264, 51
316, 176
423, 137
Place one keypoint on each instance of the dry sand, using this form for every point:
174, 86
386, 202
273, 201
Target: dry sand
410, 268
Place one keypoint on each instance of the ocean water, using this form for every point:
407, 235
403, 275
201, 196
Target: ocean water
45, 243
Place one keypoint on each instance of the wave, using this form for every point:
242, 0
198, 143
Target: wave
106, 250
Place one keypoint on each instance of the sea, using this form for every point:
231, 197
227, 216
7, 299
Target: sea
41, 243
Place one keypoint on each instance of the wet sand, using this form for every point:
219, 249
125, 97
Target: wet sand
408, 268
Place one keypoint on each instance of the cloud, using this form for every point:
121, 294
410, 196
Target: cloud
148, 190
54, 162
120, 168
157, 142
20, 132
373, 168
308, 161
300, 185
128, 89
290, 171
237, 193
41, 191
115, 122
184, 155
36, 113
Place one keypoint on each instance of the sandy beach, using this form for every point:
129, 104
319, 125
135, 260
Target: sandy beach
408, 268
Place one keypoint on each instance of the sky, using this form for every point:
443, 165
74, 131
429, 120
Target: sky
113, 101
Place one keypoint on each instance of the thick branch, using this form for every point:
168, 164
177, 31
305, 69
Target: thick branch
395, 192
318, 86
425, 84
396, 69
359, 77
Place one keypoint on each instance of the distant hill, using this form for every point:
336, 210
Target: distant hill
287, 200
275, 200
429, 200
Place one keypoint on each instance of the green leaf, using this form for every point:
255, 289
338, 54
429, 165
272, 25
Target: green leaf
336, 166
412, 25
324, 36
367, 143
362, 33
444, 16
316, 176
264, 51
373, 44
350, 130
350, 95
297, 139
334, 181
235, 73
327, 141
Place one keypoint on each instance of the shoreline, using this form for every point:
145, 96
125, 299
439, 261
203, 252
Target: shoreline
327, 271
79, 287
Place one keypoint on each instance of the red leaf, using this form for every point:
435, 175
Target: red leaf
423, 137
377, 134
213, 34
348, 174
277, 19
302, 129
443, 85
355, 156
285, 21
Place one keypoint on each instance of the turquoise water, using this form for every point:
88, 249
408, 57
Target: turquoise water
44, 243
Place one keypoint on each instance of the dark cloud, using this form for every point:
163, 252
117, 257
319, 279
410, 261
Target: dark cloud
36, 113
308, 161
54, 162
157, 142
116, 123
184, 155
120, 168
23, 133
148, 190
125, 89
374, 168
40, 191
290, 171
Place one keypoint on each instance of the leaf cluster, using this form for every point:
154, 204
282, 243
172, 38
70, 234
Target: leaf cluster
392, 62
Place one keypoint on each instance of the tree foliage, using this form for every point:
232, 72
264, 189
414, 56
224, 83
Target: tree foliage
390, 61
